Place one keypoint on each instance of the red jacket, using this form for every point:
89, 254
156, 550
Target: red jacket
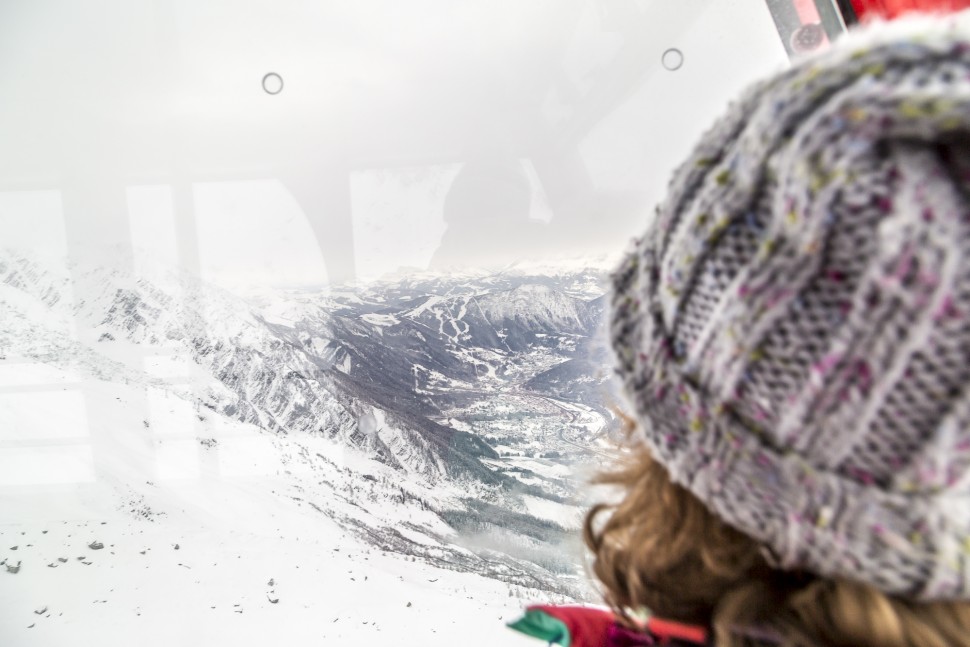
870, 9
579, 626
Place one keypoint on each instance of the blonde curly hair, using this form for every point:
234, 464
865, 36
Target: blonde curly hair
661, 549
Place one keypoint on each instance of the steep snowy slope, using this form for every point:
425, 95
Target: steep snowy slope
169, 409
242, 556
251, 372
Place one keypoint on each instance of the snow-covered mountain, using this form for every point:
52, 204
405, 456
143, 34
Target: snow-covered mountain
445, 419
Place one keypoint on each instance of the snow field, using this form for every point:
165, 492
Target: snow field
208, 572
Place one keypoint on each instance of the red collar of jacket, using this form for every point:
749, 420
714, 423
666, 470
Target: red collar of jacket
595, 627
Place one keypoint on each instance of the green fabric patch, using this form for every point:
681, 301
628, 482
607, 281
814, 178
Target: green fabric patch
543, 626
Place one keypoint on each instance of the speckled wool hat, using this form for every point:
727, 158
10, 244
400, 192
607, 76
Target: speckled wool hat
794, 329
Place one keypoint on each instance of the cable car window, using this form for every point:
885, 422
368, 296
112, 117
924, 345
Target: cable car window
301, 303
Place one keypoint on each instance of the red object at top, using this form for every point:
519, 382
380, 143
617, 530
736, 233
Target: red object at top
870, 9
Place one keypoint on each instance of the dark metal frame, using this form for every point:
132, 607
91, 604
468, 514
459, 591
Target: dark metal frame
835, 17
849, 16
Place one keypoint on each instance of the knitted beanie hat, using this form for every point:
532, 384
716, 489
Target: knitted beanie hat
794, 329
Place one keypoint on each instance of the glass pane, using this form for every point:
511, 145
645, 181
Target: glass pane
301, 303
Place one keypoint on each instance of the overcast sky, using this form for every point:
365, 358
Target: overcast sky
408, 133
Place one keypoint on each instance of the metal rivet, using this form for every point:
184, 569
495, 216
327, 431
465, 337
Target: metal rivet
273, 83
672, 59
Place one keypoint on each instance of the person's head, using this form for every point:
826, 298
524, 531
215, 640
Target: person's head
793, 333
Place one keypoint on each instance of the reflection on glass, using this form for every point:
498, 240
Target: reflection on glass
328, 363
